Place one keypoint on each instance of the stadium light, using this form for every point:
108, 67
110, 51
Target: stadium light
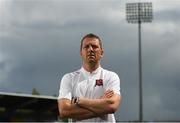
139, 13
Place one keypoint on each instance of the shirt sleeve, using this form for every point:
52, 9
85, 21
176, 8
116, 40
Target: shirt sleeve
114, 83
65, 90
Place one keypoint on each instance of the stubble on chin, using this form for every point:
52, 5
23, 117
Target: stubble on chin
91, 62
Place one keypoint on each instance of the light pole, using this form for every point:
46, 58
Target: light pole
139, 13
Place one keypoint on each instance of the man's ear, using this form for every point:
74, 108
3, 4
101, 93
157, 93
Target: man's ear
102, 53
80, 53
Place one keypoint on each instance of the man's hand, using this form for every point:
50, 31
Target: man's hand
107, 94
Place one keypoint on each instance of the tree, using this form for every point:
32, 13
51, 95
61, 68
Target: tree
35, 92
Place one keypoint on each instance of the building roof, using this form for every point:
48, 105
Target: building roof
26, 107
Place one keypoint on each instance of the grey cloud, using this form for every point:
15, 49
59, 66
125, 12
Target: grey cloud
42, 43
60, 12
168, 15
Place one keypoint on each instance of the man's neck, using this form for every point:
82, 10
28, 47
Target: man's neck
90, 67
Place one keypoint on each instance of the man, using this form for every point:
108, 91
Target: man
90, 94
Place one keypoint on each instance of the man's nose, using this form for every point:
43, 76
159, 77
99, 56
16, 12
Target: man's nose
90, 48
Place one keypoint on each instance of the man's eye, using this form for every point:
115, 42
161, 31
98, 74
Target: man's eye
85, 47
95, 47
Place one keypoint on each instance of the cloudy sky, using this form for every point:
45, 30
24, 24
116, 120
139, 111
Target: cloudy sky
39, 43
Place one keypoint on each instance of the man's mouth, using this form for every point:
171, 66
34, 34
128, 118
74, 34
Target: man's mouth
91, 55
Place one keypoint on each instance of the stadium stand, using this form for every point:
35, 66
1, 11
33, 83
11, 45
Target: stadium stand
25, 107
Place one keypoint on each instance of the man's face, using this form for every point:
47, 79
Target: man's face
91, 51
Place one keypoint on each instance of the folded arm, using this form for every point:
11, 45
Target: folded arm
89, 108
101, 106
68, 110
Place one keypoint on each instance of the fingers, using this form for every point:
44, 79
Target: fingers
107, 94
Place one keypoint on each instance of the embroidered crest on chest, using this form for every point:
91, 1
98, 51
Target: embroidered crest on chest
99, 82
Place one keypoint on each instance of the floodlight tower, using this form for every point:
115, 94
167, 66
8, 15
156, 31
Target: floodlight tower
139, 13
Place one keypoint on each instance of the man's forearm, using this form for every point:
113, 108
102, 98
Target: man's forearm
101, 106
73, 111
79, 115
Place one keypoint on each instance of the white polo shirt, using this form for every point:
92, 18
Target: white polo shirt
90, 85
